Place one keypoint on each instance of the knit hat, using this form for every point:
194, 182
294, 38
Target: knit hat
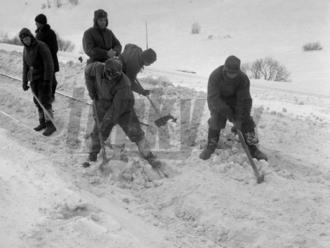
232, 64
113, 67
41, 18
24, 33
100, 13
149, 56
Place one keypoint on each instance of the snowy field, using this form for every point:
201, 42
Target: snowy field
48, 200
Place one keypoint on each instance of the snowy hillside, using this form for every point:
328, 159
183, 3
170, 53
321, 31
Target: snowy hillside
249, 29
48, 200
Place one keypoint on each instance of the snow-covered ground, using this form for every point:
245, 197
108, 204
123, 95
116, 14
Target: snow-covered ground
48, 200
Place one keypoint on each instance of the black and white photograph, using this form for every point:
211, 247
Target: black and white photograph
165, 124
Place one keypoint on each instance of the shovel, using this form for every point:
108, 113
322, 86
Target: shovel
162, 120
260, 177
105, 160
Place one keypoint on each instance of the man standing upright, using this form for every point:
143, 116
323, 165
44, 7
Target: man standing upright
134, 59
38, 68
47, 35
99, 42
229, 98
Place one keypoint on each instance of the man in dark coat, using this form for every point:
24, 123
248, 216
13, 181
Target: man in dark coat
38, 68
110, 89
134, 60
228, 98
47, 35
99, 43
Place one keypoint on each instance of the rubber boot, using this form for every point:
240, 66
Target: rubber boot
50, 128
41, 126
42, 121
145, 152
256, 153
212, 143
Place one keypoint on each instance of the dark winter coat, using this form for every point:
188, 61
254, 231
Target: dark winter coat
229, 95
37, 61
132, 64
116, 96
97, 42
47, 35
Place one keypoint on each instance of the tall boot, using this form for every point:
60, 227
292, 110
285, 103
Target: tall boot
252, 141
212, 143
256, 153
50, 128
42, 122
145, 152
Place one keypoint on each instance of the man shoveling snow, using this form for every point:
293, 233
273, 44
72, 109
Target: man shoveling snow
110, 90
229, 98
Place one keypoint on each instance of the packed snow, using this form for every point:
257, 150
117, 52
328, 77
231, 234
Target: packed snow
47, 199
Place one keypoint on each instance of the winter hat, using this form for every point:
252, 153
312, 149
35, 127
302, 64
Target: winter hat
24, 33
232, 64
113, 66
100, 13
149, 56
41, 18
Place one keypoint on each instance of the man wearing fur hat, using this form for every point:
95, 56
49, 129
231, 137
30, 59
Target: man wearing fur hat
47, 35
38, 68
228, 98
99, 42
134, 59
111, 92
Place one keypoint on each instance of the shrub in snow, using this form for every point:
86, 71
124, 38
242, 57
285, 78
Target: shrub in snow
58, 3
14, 41
266, 68
64, 45
74, 2
312, 46
195, 28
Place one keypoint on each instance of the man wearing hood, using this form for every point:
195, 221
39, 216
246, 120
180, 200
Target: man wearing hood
229, 98
134, 59
38, 68
47, 35
99, 43
110, 89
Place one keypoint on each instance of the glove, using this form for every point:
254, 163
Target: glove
111, 53
146, 92
25, 86
237, 126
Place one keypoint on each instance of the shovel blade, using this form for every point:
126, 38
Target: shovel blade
163, 120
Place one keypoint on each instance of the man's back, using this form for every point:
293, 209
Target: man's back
47, 35
132, 61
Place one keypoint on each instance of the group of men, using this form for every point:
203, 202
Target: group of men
111, 76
